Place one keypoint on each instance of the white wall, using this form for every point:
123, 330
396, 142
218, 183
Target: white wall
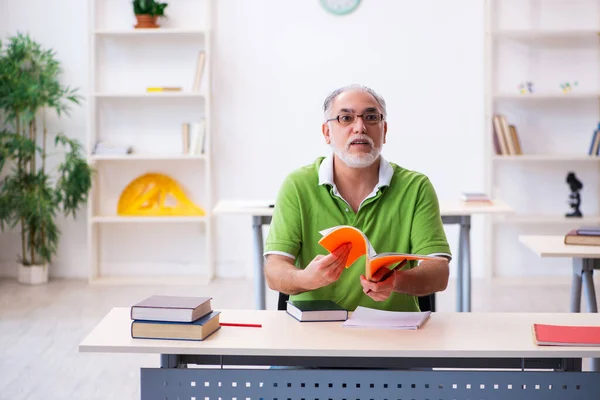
273, 71
274, 62
61, 26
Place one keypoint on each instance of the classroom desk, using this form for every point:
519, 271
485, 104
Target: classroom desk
455, 212
360, 363
585, 260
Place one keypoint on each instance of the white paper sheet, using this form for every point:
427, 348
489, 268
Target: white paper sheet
373, 318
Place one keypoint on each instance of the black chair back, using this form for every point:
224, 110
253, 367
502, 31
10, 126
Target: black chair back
281, 302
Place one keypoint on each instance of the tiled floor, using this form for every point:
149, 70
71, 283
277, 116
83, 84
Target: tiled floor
41, 327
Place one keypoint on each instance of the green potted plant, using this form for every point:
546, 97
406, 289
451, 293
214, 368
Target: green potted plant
147, 12
34, 189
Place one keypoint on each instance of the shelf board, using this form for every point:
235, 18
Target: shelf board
109, 219
568, 37
151, 280
547, 157
547, 33
547, 219
547, 96
150, 32
143, 95
149, 157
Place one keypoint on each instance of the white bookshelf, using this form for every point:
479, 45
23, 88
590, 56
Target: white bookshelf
116, 219
148, 157
547, 43
166, 280
560, 37
546, 158
151, 95
548, 220
124, 62
547, 96
149, 32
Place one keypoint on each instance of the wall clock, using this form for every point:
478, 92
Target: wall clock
340, 7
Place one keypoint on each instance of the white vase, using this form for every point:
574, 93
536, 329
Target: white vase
33, 274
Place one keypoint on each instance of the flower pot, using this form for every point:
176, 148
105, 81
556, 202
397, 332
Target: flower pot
146, 21
33, 274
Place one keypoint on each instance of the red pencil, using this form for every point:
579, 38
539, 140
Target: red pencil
243, 325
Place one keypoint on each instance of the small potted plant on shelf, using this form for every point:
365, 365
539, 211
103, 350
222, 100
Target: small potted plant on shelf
35, 189
147, 12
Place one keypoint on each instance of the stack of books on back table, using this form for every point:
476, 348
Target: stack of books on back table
475, 198
587, 235
174, 317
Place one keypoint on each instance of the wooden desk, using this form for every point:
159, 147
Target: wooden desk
455, 212
585, 260
373, 362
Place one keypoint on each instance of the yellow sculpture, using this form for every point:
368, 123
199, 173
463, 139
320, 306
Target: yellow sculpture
147, 196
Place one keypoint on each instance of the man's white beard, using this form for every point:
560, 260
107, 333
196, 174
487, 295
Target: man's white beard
355, 160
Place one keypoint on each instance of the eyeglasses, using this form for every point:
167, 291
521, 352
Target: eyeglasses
349, 118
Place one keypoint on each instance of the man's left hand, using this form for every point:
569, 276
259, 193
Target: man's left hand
377, 289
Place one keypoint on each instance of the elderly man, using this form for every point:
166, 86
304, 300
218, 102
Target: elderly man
396, 208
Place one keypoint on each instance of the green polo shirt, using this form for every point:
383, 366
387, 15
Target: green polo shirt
401, 215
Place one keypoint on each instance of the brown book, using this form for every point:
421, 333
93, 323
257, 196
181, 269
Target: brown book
171, 308
196, 330
573, 238
185, 137
515, 138
499, 137
507, 136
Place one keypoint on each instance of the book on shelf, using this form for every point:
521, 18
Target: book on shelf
361, 246
194, 137
373, 318
505, 137
185, 138
198, 329
566, 335
594, 149
171, 308
199, 71
159, 89
316, 310
515, 139
574, 238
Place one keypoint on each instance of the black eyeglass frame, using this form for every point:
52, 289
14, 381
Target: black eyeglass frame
357, 115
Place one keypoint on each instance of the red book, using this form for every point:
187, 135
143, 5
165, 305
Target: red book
562, 335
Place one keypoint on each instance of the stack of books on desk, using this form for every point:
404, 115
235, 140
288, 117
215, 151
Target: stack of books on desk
316, 310
587, 236
475, 198
174, 317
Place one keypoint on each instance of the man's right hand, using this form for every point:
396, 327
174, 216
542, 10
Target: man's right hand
324, 270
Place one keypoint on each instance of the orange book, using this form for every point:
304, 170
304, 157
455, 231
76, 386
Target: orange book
338, 235
563, 335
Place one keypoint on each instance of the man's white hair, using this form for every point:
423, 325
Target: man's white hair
353, 87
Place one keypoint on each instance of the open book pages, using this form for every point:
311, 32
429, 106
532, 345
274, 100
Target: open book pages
373, 318
338, 235
360, 242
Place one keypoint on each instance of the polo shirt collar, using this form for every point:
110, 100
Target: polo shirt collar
326, 172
